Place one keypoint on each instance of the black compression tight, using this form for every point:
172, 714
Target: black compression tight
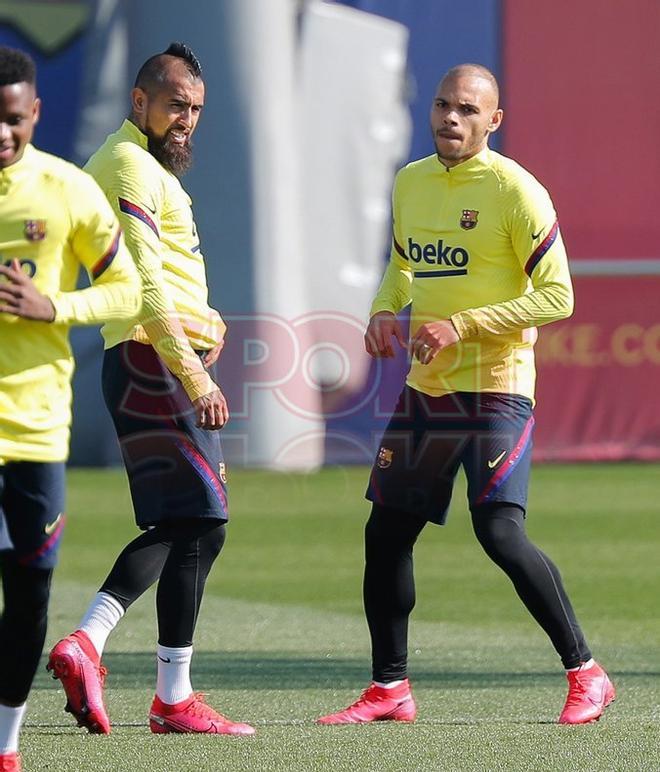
22, 627
500, 529
389, 588
178, 555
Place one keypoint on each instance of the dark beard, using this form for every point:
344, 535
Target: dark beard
175, 158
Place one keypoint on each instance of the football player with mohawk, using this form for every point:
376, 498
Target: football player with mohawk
165, 406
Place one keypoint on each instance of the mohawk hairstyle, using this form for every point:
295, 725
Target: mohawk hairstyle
182, 51
152, 71
16, 67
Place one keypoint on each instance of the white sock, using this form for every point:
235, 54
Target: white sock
10, 725
173, 684
584, 666
101, 618
389, 685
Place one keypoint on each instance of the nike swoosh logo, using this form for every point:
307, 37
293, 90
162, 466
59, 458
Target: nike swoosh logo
48, 529
153, 211
183, 727
536, 235
165, 660
495, 462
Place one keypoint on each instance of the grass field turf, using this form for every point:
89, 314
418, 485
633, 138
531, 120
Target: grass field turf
281, 637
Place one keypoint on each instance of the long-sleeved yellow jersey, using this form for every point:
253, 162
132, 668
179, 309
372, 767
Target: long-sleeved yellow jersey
53, 220
155, 213
479, 244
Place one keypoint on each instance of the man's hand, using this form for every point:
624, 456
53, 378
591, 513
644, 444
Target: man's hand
431, 338
211, 410
20, 297
211, 356
383, 326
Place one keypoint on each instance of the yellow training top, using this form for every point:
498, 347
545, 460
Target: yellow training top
53, 219
155, 213
478, 244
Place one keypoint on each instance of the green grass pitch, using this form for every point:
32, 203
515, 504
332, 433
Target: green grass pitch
281, 637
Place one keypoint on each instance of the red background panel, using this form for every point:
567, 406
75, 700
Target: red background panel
581, 81
599, 374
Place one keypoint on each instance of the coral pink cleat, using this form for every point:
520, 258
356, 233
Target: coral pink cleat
589, 693
76, 663
192, 715
10, 762
377, 704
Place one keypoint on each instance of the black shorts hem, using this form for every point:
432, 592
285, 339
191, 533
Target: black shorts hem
436, 519
143, 524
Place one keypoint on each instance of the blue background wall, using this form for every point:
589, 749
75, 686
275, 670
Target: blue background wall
59, 80
442, 33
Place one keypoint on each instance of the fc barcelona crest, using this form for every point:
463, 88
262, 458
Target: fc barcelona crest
35, 230
469, 219
385, 458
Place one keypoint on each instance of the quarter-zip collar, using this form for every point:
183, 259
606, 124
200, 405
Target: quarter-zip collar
468, 170
129, 130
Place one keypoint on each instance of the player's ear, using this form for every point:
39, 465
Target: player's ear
495, 121
36, 111
138, 101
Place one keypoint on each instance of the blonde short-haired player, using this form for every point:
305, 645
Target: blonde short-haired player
478, 255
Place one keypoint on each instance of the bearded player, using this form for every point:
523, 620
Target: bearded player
165, 406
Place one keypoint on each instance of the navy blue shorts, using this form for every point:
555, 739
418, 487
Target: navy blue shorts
175, 470
429, 438
32, 495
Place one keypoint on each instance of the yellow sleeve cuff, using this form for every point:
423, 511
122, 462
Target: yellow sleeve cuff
465, 325
63, 306
198, 384
381, 305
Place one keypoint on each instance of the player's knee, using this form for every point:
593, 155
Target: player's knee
37, 593
499, 529
27, 591
214, 540
204, 537
378, 529
390, 530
